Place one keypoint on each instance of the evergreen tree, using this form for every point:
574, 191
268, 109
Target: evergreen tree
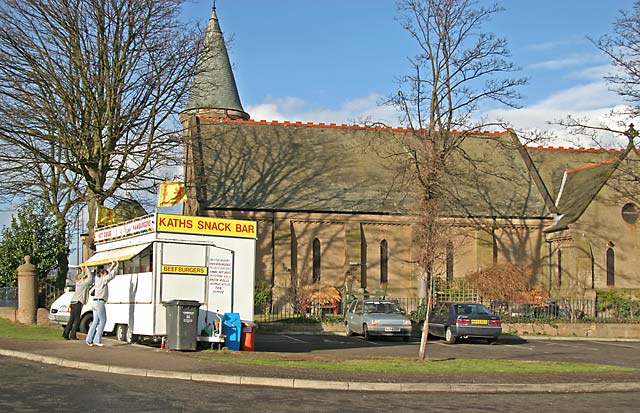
32, 232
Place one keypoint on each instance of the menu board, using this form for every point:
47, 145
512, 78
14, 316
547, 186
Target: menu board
220, 280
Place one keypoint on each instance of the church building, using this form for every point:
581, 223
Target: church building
332, 209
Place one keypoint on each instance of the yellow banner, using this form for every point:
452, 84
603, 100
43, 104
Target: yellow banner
171, 193
106, 216
184, 269
206, 226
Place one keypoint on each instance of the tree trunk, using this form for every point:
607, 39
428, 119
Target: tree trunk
92, 212
425, 331
63, 254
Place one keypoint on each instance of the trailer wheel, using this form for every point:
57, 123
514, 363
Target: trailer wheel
122, 332
85, 323
130, 337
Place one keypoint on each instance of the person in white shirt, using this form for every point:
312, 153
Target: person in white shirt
101, 295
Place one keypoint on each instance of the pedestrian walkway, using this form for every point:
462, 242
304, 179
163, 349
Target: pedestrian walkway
149, 361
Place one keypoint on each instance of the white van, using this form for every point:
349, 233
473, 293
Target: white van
169, 257
60, 312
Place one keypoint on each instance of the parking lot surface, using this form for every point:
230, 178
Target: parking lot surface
611, 352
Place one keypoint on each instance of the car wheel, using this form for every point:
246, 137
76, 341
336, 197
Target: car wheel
365, 332
348, 330
132, 338
85, 323
121, 332
449, 337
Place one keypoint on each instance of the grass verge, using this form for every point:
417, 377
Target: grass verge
409, 365
9, 329
13, 330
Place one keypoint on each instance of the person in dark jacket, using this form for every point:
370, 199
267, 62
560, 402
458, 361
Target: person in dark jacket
78, 300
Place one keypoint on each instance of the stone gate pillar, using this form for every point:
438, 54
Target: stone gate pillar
27, 293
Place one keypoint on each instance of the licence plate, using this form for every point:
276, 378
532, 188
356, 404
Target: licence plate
483, 322
391, 329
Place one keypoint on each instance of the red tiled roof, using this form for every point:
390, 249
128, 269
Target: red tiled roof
562, 148
333, 125
591, 165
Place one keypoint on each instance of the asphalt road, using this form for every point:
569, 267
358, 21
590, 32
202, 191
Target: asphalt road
28, 386
619, 353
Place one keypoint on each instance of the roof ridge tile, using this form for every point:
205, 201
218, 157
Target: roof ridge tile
592, 165
341, 126
570, 149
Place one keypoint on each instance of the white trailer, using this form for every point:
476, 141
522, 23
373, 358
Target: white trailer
172, 257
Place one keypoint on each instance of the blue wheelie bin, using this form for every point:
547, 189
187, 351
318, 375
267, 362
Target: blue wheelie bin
232, 329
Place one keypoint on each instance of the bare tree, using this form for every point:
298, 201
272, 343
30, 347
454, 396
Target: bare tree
89, 90
27, 178
622, 47
458, 68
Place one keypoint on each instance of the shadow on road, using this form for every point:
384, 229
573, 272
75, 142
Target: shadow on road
308, 343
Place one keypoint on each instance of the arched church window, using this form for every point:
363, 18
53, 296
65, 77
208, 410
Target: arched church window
610, 264
384, 262
559, 283
316, 260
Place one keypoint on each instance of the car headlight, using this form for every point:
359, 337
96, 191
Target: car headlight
406, 322
62, 309
374, 323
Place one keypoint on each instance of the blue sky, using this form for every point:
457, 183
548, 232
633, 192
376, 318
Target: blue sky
333, 60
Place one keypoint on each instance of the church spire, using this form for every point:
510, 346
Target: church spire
214, 92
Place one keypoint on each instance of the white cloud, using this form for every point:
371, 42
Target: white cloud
573, 41
595, 95
353, 111
593, 102
557, 64
265, 111
592, 72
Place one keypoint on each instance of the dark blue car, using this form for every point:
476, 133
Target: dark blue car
453, 321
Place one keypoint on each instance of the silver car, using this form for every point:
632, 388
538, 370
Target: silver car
371, 317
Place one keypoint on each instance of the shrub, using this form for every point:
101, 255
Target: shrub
616, 304
502, 281
261, 298
420, 313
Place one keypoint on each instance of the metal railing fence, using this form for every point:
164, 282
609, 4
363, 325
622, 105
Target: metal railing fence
47, 294
8, 296
556, 311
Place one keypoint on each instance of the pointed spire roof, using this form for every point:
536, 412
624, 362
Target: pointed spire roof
214, 87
